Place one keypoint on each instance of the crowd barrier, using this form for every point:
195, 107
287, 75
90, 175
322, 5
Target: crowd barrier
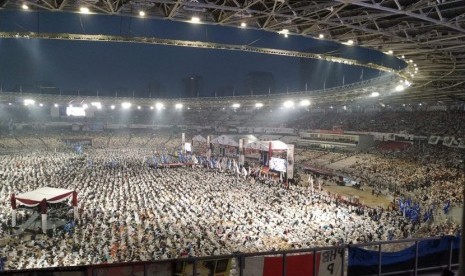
418, 257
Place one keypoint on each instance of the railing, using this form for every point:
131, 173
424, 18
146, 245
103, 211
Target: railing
418, 256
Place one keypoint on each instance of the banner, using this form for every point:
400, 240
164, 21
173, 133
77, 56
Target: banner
430, 253
290, 161
241, 152
183, 138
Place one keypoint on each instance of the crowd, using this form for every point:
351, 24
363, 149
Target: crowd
131, 211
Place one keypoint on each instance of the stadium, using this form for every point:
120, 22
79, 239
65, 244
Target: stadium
235, 137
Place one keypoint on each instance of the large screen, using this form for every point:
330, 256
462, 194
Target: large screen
278, 164
75, 111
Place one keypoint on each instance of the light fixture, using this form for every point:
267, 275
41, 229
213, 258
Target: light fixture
304, 103
98, 105
138, 107
374, 94
159, 106
258, 105
142, 13
41, 104
55, 105
415, 65
195, 19
151, 108
321, 36
84, 10
403, 56
284, 32
243, 24
29, 102
399, 88
390, 52
25, 7
9, 103
236, 105
288, 104
112, 106
178, 106
350, 42
126, 105
410, 60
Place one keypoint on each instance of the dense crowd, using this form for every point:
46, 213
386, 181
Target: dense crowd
130, 211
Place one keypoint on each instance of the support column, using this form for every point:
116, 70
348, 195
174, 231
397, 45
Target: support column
13, 210
43, 211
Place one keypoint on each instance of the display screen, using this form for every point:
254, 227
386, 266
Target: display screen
278, 164
75, 111
188, 147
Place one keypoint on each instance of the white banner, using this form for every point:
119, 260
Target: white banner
290, 161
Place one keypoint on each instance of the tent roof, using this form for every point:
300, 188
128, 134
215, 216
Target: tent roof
45, 192
225, 140
199, 138
264, 145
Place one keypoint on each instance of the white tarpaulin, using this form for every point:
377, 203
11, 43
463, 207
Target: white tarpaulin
265, 145
225, 140
199, 138
51, 195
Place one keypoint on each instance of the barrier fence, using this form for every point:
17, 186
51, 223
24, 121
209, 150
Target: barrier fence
416, 257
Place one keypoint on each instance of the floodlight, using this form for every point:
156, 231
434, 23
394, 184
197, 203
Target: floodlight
142, 13
25, 7
159, 106
288, 104
29, 102
55, 105
195, 20
151, 107
138, 107
350, 42
84, 10
374, 94
258, 105
390, 52
9, 103
178, 106
126, 105
41, 104
304, 103
399, 88
112, 106
98, 105
243, 24
236, 105
321, 36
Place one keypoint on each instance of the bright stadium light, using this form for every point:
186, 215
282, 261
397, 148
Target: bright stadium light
374, 94
151, 108
10, 104
243, 24
98, 105
258, 105
126, 105
350, 42
195, 19
29, 102
159, 106
304, 103
112, 106
399, 88
142, 13
288, 104
284, 32
178, 106
41, 104
321, 36
236, 105
138, 107
55, 105
84, 10
25, 7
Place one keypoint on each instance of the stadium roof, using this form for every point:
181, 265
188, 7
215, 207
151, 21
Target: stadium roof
429, 35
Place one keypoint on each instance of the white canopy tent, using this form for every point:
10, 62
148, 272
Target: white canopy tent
276, 145
199, 138
225, 141
41, 197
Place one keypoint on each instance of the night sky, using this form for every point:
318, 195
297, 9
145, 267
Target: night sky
132, 68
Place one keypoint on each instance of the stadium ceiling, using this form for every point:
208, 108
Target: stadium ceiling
429, 35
